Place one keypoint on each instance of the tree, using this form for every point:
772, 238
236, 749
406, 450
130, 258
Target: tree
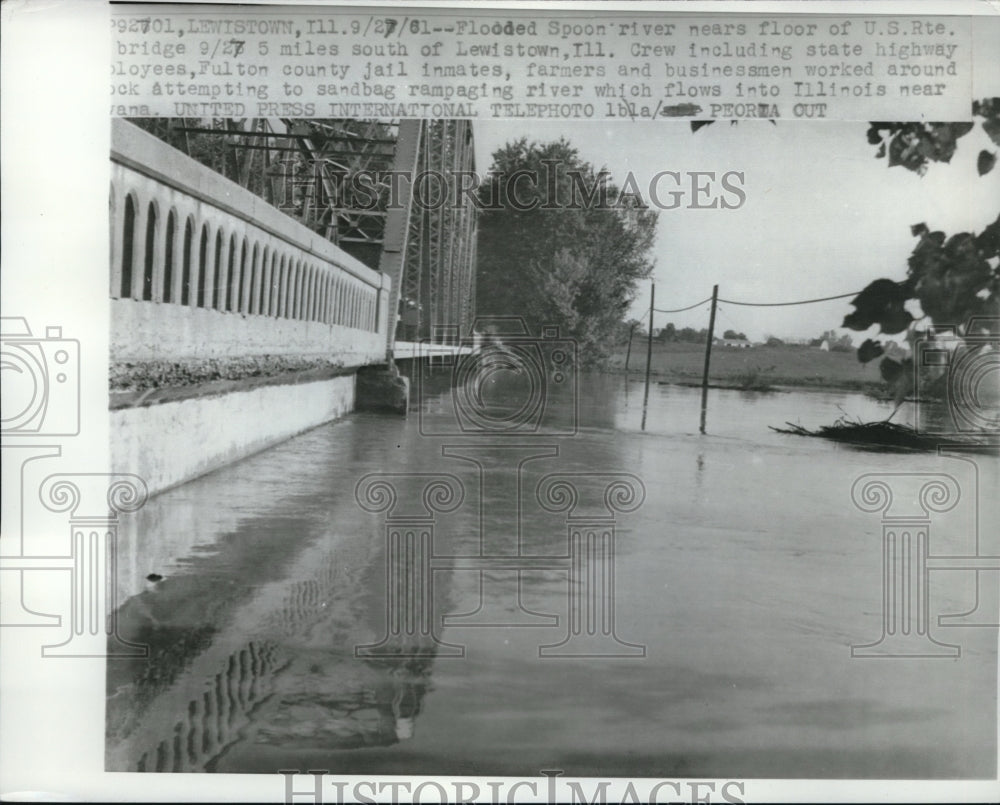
733, 335
950, 281
692, 336
914, 145
668, 333
561, 246
836, 343
843, 344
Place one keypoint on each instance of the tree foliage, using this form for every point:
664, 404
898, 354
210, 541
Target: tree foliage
914, 145
563, 246
956, 282
629, 329
834, 342
687, 335
951, 282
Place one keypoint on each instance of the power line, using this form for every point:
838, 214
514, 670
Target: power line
682, 309
759, 304
785, 304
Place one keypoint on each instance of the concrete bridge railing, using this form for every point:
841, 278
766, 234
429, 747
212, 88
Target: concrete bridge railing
233, 326
228, 274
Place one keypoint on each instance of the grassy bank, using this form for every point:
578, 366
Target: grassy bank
754, 368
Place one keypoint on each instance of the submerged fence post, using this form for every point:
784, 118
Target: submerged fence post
649, 353
708, 357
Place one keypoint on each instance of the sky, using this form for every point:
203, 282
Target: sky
822, 216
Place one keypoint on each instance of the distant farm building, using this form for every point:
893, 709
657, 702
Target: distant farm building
735, 343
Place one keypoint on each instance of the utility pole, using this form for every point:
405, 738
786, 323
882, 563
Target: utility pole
649, 354
708, 357
628, 352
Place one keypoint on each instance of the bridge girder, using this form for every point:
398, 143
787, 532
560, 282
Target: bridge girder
436, 279
425, 239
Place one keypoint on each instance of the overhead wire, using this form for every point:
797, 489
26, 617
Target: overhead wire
786, 304
682, 309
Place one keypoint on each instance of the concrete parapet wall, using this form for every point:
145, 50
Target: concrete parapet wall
144, 331
233, 326
139, 153
173, 442
188, 240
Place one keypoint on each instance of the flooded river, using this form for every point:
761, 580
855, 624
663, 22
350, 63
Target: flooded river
320, 609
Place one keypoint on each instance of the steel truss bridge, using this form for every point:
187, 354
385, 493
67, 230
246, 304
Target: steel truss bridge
389, 193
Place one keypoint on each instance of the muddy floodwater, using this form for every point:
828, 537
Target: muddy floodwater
695, 621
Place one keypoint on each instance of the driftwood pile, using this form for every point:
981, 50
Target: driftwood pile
885, 434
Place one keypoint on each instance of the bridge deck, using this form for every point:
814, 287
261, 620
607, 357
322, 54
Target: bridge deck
407, 350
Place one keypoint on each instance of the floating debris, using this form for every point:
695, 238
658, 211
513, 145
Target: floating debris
887, 434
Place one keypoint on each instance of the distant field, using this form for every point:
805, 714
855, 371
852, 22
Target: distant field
776, 366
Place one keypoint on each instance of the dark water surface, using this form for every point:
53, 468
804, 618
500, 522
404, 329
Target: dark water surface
747, 574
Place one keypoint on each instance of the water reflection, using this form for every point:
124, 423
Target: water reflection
699, 471
236, 658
